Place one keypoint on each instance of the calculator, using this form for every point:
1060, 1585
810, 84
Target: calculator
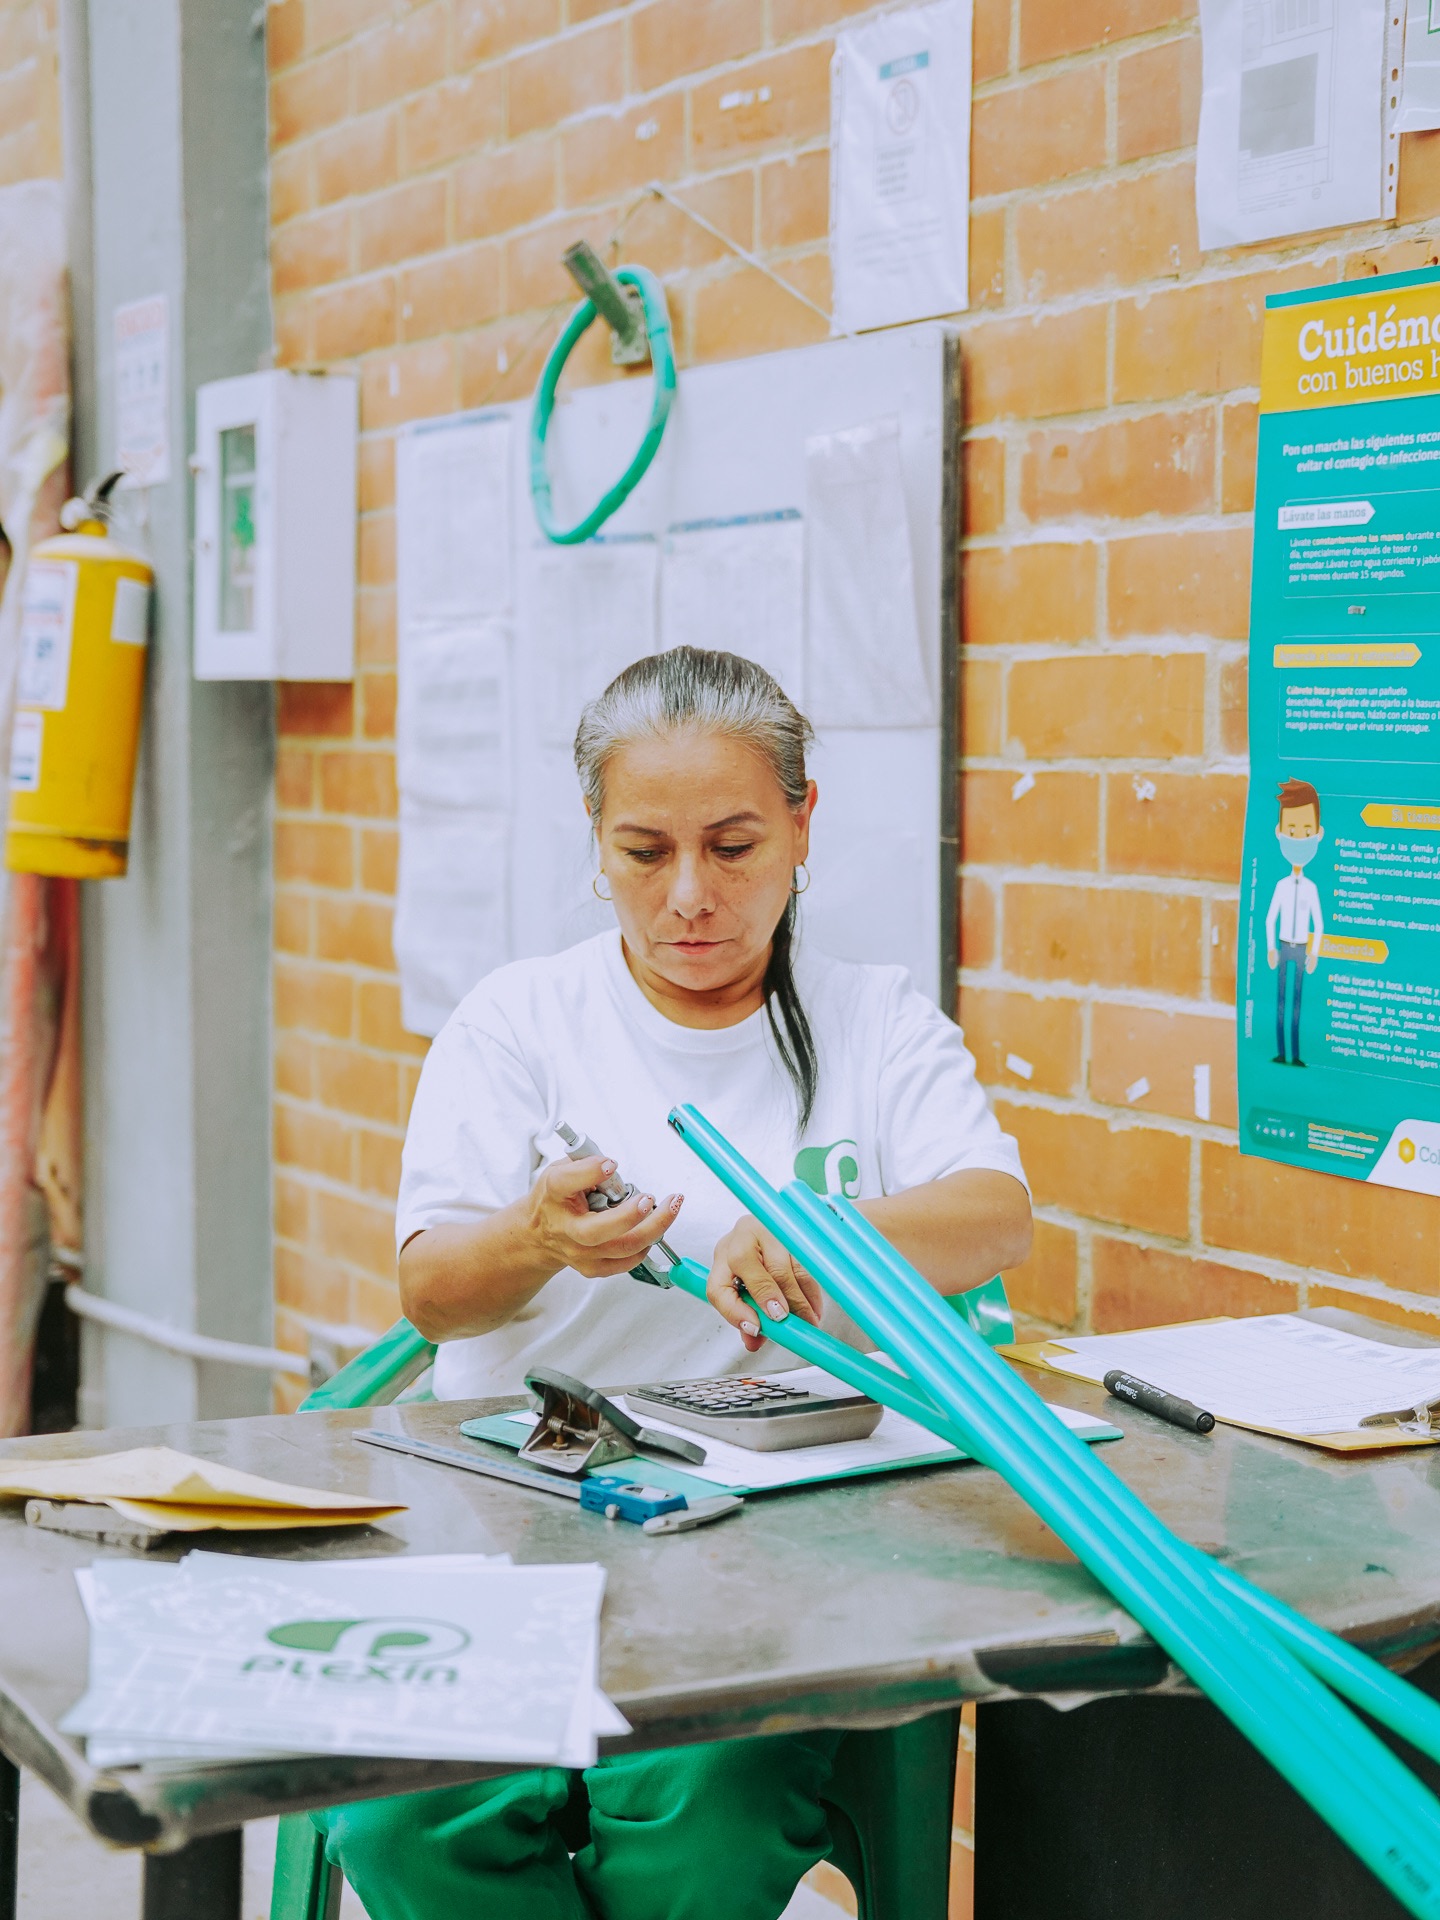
762, 1414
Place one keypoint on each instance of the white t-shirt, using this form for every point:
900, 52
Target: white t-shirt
571, 1037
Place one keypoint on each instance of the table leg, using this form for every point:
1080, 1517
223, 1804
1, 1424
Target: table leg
200, 1882
1151, 1804
9, 1835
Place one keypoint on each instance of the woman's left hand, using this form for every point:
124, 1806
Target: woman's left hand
751, 1258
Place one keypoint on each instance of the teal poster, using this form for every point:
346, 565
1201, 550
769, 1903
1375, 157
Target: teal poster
1338, 982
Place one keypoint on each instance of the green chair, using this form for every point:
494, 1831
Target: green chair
890, 1799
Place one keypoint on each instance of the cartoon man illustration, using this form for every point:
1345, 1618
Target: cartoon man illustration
1294, 926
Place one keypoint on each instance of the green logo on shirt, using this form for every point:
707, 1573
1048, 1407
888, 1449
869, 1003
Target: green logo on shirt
833, 1169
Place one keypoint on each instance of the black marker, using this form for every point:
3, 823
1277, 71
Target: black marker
1166, 1406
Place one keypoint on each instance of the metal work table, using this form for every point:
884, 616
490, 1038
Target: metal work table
867, 1601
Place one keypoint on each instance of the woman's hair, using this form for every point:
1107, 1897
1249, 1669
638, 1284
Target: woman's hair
687, 689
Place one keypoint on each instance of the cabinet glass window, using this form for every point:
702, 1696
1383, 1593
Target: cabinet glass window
237, 530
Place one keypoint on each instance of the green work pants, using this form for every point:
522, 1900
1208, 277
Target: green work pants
718, 1832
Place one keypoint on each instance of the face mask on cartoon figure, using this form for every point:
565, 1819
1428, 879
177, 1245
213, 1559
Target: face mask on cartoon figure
1299, 851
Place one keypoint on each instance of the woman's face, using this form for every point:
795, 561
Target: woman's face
700, 847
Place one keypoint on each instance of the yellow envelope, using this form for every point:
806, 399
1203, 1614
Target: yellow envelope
169, 1489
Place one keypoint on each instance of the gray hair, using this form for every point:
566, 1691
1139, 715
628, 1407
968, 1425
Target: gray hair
688, 690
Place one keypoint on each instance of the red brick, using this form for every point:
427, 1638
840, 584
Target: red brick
1133, 1286
1048, 32
1157, 99
485, 29
327, 21
356, 932
1133, 1176
1375, 1307
451, 293
1118, 705
401, 224
1235, 706
358, 157
408, 384
1046, 1285
1181, 583
535, 274
378, 1006
306, 98
379, 1164
313, 1288
375, 627
1240, 422
318, 1000
375, 550
1103, 937
1346, 1227
407, 53
1185, 825
991, 50
452, 119
292, 1209
1043, 1033
1224, 926
319, 852
1032, 368
354, 319
783, 98
294, 778
744, 312
977, 923
316, 709
284, 34
308, 253
378, 692
987, 258
294, 921
358, 783
505, 189
1042, 594
608, 154
379, 856
795, 200
1199, 339
1130, 1044
291, 185
1038, 131
671, 38
1418, 195
294, 1065
377, 473
565, 77
982, 490
1116, 234
672, 241
1157, 463
362, 1084
355, 1231
982, 701
313, 1142
1054, 823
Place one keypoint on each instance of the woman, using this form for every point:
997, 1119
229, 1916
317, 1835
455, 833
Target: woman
693, 770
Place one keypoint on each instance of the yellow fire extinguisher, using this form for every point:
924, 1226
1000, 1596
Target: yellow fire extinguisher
84, 624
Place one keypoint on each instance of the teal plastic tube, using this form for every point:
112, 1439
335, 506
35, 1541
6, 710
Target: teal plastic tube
1352, 1673
1335, 1762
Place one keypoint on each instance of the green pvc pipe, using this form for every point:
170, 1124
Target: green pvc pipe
1330, 1757
1362, 1680
662, 361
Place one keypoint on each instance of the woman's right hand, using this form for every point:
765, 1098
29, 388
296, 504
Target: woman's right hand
594, 1244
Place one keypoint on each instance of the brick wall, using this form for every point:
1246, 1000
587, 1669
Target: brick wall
29, 91
429, 164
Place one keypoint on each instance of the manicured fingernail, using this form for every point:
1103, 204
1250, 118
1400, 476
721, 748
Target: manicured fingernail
674, 1202
646, 1203
776, 1309
607, 1167
752, 1327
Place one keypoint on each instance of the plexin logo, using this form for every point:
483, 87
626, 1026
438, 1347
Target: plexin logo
832, 1169
389, 1648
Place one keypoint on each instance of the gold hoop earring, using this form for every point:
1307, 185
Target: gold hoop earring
802, 868
595, 887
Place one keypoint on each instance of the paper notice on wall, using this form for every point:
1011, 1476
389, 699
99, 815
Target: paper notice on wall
864, 666
453, 512
1420, 85
1292, 117
142, 387
453, 719
452, 907
585, 613
738, 586
900, 167
47, 620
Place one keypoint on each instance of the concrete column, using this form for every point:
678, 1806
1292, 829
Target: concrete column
177, 955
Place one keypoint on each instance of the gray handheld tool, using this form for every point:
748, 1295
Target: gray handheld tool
579, 1429
655, 1265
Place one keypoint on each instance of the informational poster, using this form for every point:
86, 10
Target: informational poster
1339, 950
142, 385
1419, 110
738, 585
1293, 118
900, 167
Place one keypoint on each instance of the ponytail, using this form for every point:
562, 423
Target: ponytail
794, 1041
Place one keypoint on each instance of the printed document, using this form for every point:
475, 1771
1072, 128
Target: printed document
738, 586
1292, 118
1420, 83
453, 513
1276, 1372
585, 612
900, 167
452, 907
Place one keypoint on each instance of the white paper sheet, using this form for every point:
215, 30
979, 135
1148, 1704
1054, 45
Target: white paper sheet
453, 720
1292, 117
142, 390
738, 586
864, 666
480, 1661
452, 907
1420, 86
453, 519
900, 167
585, 613
1273, 1371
